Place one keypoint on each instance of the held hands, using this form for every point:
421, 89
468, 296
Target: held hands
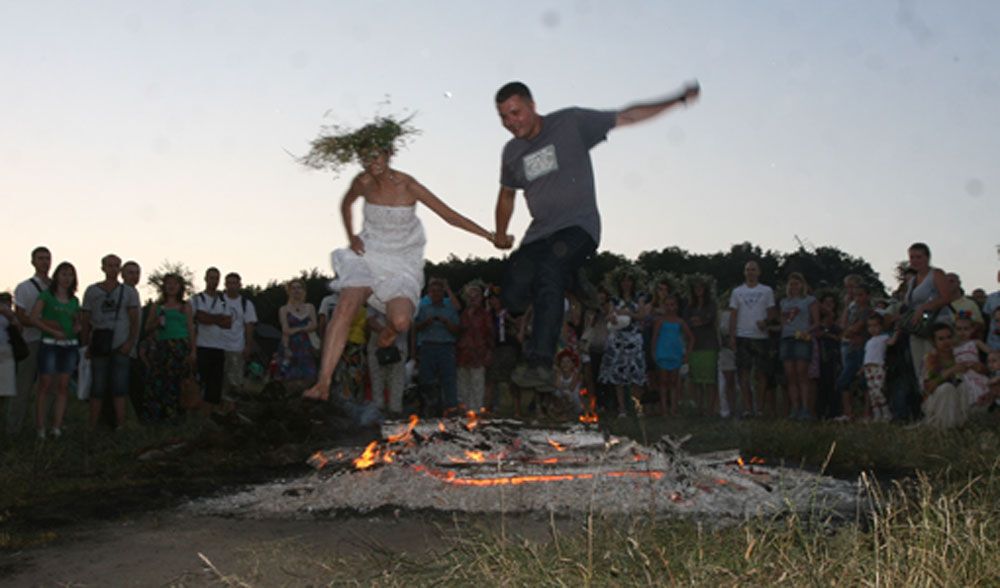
502, 241
357, 245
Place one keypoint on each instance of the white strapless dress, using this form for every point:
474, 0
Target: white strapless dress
393, 262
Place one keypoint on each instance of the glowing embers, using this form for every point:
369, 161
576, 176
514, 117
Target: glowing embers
589, 416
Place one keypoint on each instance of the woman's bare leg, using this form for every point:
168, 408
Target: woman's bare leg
41, 403
399, 314
335, 339
62, 393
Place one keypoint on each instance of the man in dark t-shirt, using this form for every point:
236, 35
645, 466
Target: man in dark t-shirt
549, 160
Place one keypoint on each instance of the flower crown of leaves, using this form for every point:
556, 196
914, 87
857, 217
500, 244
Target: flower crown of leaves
337, 146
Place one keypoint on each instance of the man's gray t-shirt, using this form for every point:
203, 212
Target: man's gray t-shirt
103, 306
555, 171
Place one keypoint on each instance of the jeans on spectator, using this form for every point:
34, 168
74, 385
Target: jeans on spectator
538, 274
437, 364
853, 360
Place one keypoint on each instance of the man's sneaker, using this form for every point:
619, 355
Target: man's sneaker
56, 432
535, 377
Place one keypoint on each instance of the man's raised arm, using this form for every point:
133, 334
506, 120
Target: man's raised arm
646, 110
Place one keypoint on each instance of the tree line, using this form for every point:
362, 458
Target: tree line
823, 268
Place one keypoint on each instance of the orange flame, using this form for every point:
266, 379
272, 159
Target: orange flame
406, 435
757, 461
441, 426
741, 463
318, 460
451, 477
557, 446
473, 420
590, 415
368, 458
476, 456
640, 457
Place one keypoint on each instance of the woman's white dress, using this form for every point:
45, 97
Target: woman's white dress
393, 262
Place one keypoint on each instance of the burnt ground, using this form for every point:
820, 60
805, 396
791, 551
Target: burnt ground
115, 521
105, 512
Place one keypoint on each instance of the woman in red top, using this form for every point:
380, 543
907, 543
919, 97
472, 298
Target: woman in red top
474, 349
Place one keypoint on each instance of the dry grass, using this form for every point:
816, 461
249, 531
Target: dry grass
929, 530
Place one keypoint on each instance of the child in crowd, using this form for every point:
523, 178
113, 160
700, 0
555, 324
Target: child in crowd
993, 363
568, 379
874, 365
826, 357
966, 353
672, 341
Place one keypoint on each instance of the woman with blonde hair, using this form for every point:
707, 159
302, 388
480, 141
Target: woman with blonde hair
297, 355
799, 322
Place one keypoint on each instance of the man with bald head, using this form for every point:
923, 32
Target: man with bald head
110, 321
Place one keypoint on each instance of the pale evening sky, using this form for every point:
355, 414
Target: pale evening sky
159, 130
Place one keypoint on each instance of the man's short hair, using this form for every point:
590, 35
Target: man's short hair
513, 89
109, 256
130, 262
6, 298
39, 250
212, 269
234, 275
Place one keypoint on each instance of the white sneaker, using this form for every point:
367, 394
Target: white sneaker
56, 432
41, 434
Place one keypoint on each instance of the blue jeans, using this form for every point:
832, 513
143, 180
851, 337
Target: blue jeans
437, 364
538, 275
853, 362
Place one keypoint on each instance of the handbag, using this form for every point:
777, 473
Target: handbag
17, 343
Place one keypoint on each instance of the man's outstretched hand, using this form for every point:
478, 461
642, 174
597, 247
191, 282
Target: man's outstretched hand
692, 90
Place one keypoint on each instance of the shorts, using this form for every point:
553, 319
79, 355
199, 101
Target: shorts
57, 359
727, 360
109, 376
753, 354
793, 349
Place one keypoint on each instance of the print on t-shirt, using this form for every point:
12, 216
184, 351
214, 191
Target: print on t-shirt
751, 298
540, 162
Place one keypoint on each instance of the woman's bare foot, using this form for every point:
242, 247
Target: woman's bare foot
317, 392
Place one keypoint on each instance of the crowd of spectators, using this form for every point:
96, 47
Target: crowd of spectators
664, 345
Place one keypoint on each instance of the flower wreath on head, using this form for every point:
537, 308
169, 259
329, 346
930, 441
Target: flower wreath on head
613, 279
475, 283
691, 280
672, 281
337, 146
